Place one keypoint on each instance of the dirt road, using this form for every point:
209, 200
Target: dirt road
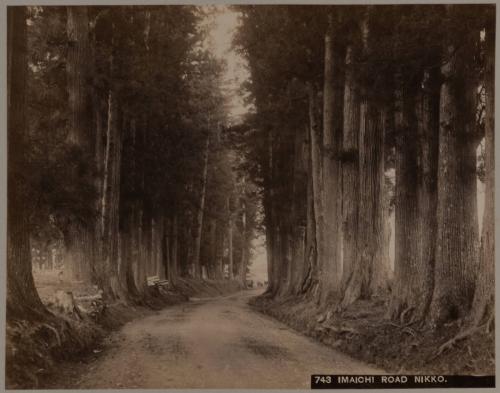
213, 343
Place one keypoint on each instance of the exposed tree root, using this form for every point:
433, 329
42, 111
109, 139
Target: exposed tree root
490, 324
459, 337
404, 312
56, 333
409, 330
400, 326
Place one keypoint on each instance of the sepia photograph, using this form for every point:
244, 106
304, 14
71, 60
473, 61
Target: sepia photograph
249, 196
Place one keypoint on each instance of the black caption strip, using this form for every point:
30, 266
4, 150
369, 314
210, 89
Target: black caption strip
400, 381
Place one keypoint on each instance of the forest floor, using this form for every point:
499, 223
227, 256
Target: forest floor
363, 332
213, 342
35, 352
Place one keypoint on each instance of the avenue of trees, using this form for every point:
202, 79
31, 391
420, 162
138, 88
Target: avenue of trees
119, 150
343, 96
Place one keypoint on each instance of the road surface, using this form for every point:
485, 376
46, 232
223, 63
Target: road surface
213, 343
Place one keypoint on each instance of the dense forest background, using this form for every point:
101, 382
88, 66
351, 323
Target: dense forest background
124, 165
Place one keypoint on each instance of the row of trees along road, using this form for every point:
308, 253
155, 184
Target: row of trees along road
346, 94
119, 148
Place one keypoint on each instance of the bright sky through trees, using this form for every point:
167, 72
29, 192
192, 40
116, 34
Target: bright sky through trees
223, 25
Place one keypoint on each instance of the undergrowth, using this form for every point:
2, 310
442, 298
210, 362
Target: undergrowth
363, 332
34, 349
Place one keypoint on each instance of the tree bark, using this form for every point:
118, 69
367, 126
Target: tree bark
77, 66
167, 225
140, 211
277, 259
23, 301
173, 270
158, 245
298, 264
133, 253
219, 250
457, 232
350, 170
99, 165
127, 254
332, 176
268, 206
316, 177
427, 193
483, 306
311, 271
109, 279
243, 262
369, 272
416, 175
79, 236
230, 245
211, 262
367, 275
199, 215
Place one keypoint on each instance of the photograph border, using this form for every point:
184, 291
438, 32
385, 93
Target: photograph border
3, 147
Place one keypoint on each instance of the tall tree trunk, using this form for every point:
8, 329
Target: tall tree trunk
199, 215
212, 249
369, 272
483, 306
366, 276
416, 200
109, 279
316, 176
140, 215
286, 262
173, 266
115, 281
22, 297
79, 236
299, 212
77, 65
409, 293
457, 227
130, 217
299, 257
269, 248
243, 261
268, 206
182, 249
152, 246
146, 243
133, 252
100, 121
277, 259
407, 268
162, 250
331, 176
127, 250
219, 250
167, 225
310, 274
427, 193
157, 243
230, 248
350, 170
